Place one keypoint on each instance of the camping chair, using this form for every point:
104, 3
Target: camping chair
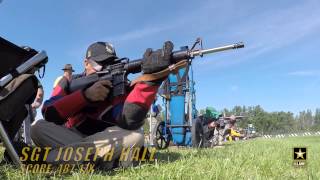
18, 88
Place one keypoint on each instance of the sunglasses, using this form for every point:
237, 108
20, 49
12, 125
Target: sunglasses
96, 66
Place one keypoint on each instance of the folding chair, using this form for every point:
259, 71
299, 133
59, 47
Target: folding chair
18, 88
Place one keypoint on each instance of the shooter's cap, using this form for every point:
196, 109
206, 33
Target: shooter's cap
211, 113
101, 52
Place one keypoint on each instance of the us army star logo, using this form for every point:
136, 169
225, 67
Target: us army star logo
300, 153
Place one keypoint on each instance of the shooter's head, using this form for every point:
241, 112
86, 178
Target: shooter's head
233, 117
68, 70
99, 55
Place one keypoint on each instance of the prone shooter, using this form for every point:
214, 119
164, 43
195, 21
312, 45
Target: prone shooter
230, 132
213, 128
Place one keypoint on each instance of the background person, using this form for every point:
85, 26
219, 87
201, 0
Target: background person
67, 74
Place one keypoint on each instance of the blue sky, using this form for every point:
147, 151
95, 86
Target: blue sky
279, 68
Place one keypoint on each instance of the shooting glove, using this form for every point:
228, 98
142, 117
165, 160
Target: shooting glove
155, 61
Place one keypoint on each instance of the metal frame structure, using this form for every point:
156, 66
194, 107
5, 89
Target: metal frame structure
180, 101
23, 68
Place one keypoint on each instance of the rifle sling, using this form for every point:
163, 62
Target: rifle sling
161, 74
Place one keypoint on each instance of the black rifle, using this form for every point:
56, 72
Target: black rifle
117, 73
222, 121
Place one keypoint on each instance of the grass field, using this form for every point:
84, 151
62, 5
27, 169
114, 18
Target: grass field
253, 159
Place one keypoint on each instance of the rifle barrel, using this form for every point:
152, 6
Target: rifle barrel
216, 49
135, 65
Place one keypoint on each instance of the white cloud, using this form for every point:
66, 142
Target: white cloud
139, 33
262, 32
305, 73
270, 30
121, 38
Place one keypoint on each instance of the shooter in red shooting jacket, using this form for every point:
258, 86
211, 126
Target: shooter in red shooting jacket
86, 118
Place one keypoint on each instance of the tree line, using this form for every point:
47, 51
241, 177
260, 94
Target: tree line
276, 122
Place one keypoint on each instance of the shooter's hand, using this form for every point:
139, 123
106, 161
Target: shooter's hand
35, 105
155, 61
212, 124
98, 91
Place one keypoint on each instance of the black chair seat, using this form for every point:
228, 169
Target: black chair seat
11, 56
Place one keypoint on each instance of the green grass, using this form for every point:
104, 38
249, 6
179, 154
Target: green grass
254, 159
